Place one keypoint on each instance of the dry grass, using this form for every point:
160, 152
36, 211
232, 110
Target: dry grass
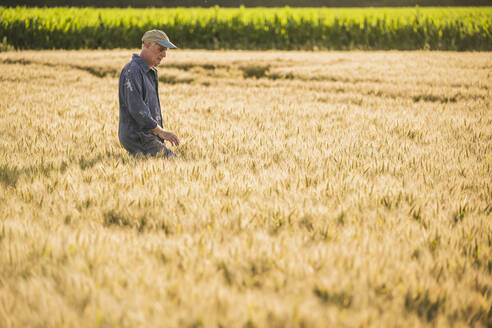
312, 190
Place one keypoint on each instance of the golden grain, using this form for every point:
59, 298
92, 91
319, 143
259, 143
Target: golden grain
312, 189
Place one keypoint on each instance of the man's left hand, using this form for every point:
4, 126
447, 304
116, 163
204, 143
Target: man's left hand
165, 135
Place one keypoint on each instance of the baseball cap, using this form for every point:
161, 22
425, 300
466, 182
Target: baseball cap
159, 37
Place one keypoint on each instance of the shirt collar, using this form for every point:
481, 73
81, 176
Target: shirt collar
143, 64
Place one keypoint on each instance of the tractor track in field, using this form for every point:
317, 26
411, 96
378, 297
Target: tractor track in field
239, 71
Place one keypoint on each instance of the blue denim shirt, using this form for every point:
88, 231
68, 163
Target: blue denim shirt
140, 109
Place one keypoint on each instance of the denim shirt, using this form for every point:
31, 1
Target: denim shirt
140, 109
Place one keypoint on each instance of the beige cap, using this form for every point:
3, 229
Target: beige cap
159, 37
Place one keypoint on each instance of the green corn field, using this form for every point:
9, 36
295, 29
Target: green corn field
256, 28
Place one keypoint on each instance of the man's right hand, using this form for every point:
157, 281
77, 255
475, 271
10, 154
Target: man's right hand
165, 135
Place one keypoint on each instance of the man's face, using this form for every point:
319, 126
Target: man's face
157, 53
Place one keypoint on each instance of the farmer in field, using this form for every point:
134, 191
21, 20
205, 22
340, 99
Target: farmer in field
140, 127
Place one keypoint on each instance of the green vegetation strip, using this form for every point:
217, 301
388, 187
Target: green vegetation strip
255, 28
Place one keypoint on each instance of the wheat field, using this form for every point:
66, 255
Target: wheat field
312, 189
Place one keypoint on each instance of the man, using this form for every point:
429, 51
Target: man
140, 128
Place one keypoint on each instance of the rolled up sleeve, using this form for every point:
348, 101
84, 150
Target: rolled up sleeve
138, 109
